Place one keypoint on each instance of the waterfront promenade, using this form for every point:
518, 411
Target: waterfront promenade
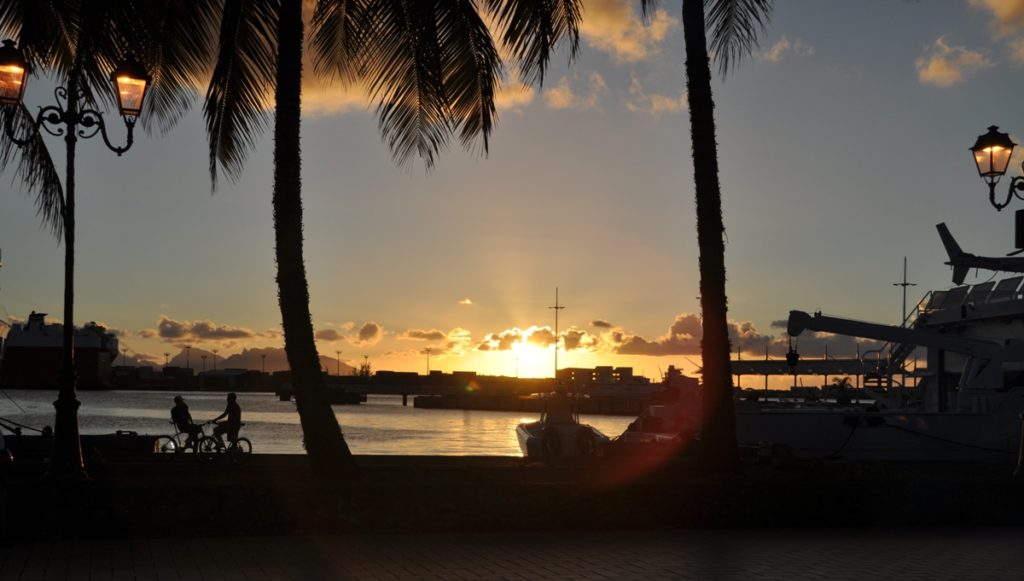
719, 554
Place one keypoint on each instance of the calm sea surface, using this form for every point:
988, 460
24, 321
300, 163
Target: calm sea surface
380, 426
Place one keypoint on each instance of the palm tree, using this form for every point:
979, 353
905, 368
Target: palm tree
431, 67
734, 26
81, 43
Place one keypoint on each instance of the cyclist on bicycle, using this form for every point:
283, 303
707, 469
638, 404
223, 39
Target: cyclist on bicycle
183, 422
230, 426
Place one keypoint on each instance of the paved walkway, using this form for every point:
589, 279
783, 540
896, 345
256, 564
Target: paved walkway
696, 554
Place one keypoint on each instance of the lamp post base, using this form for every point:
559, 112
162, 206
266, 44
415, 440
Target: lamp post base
66, 462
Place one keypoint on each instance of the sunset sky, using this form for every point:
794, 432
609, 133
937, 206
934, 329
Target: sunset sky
842, 141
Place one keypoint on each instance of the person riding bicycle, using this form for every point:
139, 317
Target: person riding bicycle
230, 426
183, 422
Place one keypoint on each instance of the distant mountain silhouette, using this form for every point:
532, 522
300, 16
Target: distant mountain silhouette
252, 359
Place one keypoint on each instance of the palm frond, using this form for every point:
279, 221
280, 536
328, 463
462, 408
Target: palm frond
34, 167
176, 40
532, 29
471, 69
337, 35
237, 102
734, 26
44, 29
404, 74
647, 8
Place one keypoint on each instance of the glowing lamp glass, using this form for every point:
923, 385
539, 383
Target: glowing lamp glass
13, 71
130, 93
130, 81
12, 84
992, 152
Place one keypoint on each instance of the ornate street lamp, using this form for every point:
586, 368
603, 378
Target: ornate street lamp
992, 152
71, 119
13, 69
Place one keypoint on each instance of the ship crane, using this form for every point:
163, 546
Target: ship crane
982, 373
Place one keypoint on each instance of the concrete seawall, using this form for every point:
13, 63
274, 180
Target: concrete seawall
280, 494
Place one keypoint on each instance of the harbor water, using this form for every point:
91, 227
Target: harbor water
379, 426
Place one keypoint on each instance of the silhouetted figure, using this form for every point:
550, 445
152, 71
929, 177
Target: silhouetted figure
230, 426
183, 422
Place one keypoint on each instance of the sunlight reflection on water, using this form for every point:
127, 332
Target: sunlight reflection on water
380, 426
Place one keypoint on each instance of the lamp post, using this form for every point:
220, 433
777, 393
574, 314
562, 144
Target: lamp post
70, 118
214, 351
338, 353
263, 362
188, 351
992, 152
203, 357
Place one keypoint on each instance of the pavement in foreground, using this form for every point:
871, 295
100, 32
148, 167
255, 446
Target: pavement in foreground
833, 554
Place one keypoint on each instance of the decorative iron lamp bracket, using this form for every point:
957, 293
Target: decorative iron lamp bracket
1016, 189
85, 122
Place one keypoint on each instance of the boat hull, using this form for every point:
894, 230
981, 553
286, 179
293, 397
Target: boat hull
542, 440
895, 435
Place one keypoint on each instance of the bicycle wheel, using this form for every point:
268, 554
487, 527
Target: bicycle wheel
165, 445
207, 449
241, 450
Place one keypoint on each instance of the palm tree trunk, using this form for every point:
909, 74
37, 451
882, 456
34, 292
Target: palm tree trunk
322, 435
718, 450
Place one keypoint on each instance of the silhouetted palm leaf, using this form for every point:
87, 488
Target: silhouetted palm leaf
531, 29
339, 27
33, 167
734, 26
237, 101
176, 40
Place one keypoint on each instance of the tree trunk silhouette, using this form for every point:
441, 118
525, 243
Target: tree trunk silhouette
324, 441
719, 452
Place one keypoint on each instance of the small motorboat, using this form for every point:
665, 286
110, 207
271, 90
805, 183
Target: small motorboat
559, 434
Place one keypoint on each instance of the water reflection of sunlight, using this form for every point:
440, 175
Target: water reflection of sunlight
381, 426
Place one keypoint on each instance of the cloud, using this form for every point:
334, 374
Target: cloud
513, 95
369, 334
540, 336
615, 27
641, 102
944, 66
574, 339
329, 335
502, 341
684, 336
1008, 15
174, 331
431, 335
601, 324
466, 301
562, 96
784, 47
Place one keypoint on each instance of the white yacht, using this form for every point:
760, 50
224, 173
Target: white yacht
966, 406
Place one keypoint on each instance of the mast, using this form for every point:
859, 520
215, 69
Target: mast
556, 308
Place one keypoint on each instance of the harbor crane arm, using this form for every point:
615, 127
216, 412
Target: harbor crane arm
982, 371
800, 321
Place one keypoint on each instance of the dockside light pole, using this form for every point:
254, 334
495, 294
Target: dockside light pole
71, 118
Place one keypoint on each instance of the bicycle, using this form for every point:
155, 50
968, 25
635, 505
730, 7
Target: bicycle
175, 444
237, 450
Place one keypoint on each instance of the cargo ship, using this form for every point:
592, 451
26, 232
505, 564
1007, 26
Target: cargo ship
30, 356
